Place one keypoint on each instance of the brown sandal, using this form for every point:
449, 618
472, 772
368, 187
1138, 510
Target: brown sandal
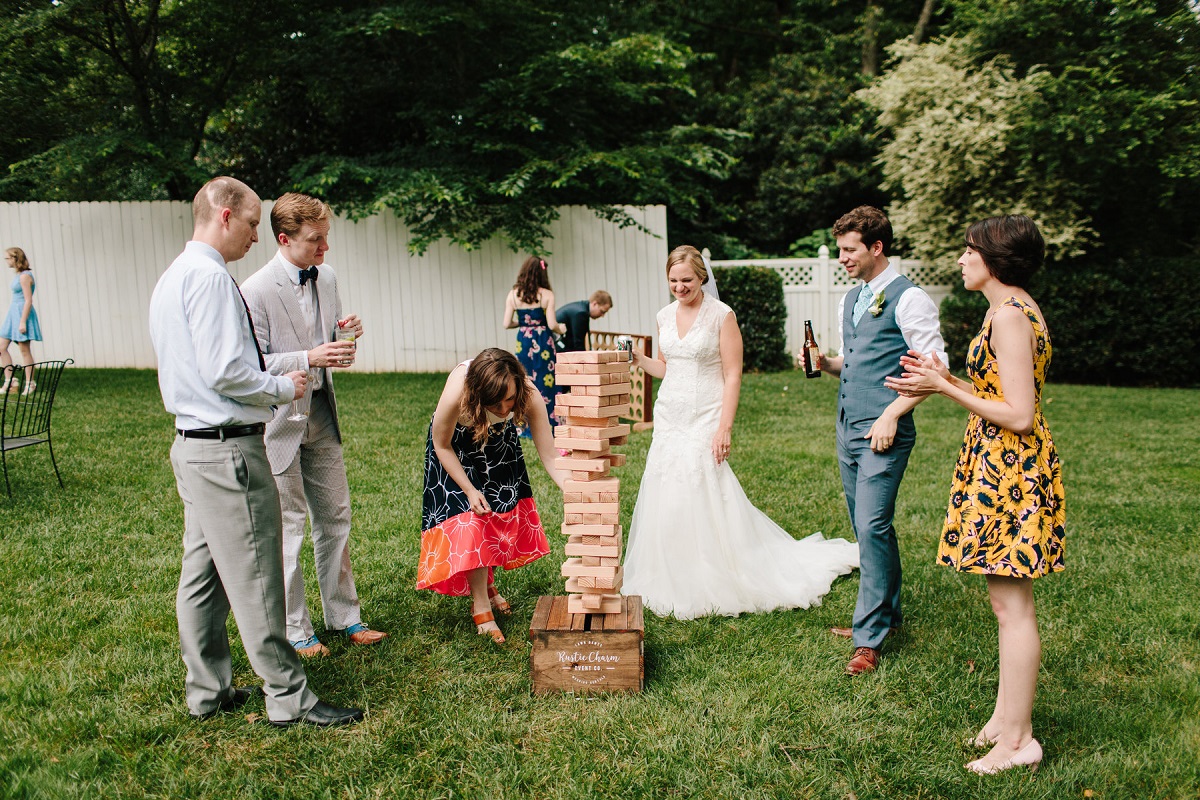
502, 606
484, 617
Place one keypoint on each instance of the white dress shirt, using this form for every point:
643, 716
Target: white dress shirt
310, 307
208, 368
916, 314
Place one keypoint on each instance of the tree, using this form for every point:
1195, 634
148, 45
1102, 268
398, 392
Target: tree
117, 93
1093, 132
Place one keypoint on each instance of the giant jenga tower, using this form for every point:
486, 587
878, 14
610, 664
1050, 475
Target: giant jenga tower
589, 415
593, 639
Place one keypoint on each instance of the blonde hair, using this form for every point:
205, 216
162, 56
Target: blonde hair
292, 210
221, 192
19, 259
686, 254
489, 377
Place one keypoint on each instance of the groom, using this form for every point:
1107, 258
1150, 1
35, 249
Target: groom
880, 320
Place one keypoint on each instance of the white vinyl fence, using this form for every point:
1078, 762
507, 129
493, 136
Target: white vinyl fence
813, 287
96, 265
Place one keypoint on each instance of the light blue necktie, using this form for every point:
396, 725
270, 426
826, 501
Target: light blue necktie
865, 298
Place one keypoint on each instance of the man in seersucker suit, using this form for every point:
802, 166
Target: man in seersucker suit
296, 308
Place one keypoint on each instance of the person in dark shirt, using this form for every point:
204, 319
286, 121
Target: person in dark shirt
578, 316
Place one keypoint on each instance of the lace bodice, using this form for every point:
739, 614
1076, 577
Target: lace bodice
689, 398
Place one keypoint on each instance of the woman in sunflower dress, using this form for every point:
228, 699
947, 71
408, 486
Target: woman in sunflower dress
529, 307
1006, 518
477, 512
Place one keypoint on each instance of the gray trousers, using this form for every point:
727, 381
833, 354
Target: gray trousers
872, 481
314, 485
233, 559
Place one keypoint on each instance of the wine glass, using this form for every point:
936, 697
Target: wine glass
300, 405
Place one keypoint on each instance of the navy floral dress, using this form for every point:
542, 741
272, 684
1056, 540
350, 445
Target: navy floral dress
535, 350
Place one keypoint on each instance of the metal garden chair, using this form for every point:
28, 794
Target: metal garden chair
25, 410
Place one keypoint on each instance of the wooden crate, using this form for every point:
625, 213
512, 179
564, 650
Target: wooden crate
586, 653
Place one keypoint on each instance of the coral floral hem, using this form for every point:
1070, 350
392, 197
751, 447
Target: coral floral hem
469, 541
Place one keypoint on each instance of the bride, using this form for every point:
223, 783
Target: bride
697, 545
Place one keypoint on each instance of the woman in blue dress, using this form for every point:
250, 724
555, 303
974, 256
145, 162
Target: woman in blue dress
20, 325
529, 307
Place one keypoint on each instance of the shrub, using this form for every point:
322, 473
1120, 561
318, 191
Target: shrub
756, 295
1122, 323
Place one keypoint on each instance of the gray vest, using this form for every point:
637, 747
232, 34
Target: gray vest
872, 351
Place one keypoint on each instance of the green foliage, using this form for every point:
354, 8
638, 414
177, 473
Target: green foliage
950, 160
1094, 131
810, 246
756, 296
1128, 323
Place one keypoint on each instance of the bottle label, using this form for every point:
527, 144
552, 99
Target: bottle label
814, 357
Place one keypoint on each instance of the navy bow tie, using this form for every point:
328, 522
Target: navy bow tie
307, 275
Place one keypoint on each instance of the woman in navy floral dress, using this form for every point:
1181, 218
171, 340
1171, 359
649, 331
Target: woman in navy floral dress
529, 308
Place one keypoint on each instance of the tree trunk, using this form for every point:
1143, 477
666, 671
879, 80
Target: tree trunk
923, 22
870, 42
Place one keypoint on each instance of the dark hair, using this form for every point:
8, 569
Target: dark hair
489, 377
1012, 247
531, 278
868, 222
686, 254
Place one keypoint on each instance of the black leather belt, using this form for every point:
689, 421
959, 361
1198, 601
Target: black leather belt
228, 432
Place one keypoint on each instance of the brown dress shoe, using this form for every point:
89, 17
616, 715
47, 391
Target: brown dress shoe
367, 636
865, 659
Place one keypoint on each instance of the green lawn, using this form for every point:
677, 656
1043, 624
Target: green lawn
91, 683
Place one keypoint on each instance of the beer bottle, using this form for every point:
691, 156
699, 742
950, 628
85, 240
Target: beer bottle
812, 353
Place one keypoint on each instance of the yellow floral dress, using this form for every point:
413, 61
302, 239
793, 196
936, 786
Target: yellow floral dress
1007, 514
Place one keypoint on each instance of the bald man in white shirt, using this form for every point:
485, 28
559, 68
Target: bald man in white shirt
214, 380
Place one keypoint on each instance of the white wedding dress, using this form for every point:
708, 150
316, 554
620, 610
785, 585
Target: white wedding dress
697, 545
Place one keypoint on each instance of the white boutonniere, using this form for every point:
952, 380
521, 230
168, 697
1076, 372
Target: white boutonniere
877, 305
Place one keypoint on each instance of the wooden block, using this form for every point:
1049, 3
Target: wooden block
609, 432
605, 541
615, 459
616, 388
618, 440
584, 464
591, 357
591, 550
575, 368
575, 568
591, 530
588, 423
580, 475
591, 602
608, 497
602, 453
580, 415
607, 604
591, 508
610, 562
572, 497
608, 484
585, 445
610, 584
592, 561
574, 400
578, 379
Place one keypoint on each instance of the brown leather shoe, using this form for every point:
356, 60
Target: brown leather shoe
848, 633
361, 634
865, 659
